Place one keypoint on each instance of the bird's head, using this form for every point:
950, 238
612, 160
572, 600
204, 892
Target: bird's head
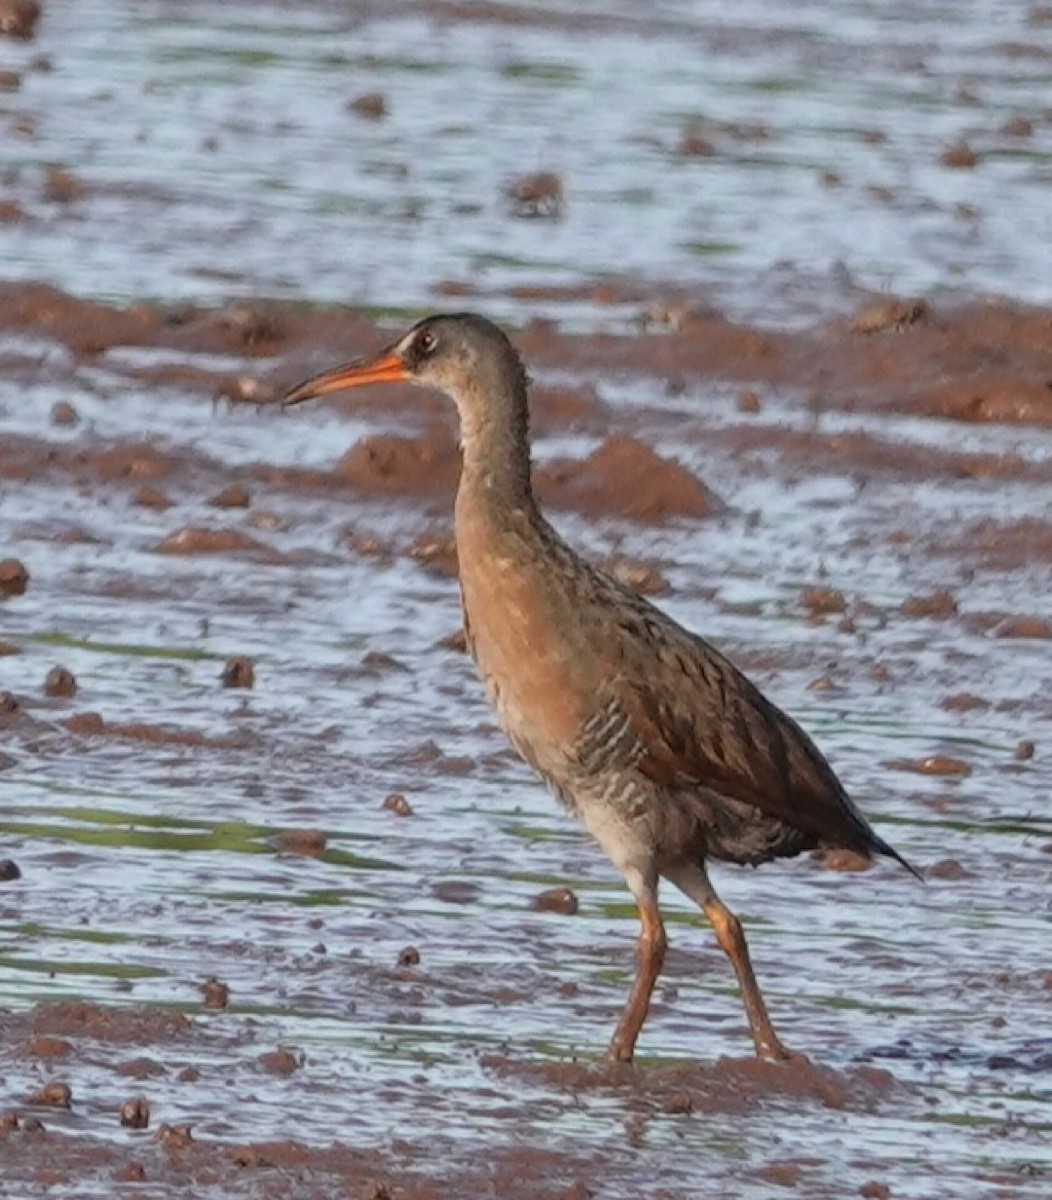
461, 354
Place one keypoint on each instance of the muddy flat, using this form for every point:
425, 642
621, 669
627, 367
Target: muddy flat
281, 914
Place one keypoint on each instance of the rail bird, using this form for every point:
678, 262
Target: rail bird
668, 755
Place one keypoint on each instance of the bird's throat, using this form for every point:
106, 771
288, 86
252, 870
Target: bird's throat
496, 471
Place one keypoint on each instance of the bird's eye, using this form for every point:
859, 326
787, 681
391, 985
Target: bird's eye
427, 342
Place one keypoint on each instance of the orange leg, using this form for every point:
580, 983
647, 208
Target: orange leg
732, 942
650, 955
694, 881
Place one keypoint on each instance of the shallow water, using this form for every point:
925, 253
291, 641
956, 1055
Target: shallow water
149, 865
149, 862
218, 158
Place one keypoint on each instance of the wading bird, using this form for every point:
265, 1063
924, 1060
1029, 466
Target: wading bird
662, 748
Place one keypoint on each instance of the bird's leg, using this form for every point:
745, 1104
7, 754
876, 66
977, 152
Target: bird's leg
650, 955
732, 942
694, 881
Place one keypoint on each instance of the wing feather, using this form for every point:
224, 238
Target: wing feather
699, 721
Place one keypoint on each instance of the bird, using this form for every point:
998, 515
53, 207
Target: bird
668, 755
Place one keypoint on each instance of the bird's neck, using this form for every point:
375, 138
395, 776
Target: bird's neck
495, 481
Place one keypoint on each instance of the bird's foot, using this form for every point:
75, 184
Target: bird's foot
772, 1050
620, 1052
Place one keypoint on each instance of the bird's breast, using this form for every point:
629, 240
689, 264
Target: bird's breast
522, 635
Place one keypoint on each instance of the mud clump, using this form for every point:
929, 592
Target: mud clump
87, 723
278, 1062
194, 539
939, 605
824, 683
376, 662
959, 157
60, 682
78, 1019
150, 497
385, 464
9, 870
694, 144
947, 868
371, 106
245, 389
457, 642
130, 1172
133, 462
844, 860
438, 554
64, 415
785, 1174
398, 804
50, 1047
559, 900
732, 1085
175, 1137
1024, 627
14, 578
216, 993
539, 195
873, 1189
53, 1095
626, 478
250, 327
238, 672
934, 764
308, 842
1007, 545
18, 18
998, 398
1017, 127
91, 724
234, 495
141, 1067
456, 891
135, 1113
557, 409
409, 957
891, 315
678, 1104
822, 601
61, 186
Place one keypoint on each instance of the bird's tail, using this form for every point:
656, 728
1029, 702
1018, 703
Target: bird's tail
878, 844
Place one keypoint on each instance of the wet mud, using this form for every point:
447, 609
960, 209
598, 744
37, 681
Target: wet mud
272, 977
281, 914
57, 1137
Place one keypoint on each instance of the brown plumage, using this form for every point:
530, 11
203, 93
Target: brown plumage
651, 737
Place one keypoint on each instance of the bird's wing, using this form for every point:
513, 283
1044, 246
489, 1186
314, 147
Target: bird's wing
698, 721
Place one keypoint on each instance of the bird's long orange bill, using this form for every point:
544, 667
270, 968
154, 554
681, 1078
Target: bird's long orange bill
387, 368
